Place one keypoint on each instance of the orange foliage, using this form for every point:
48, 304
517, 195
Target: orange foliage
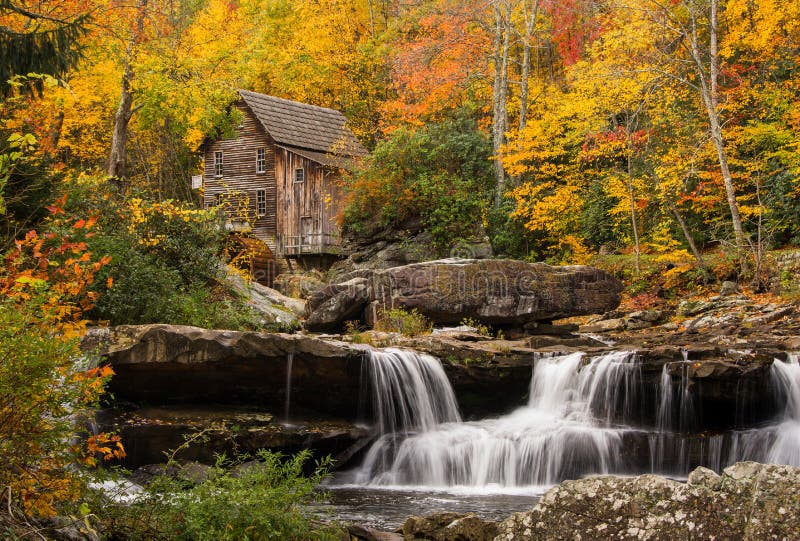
45, 278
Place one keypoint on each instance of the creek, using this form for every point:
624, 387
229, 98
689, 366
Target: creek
584, 415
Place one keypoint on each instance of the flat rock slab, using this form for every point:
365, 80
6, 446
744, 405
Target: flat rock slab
202, 432
500, 292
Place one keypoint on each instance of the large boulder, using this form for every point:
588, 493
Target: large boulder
448, 526
337, 303
749, 501
276, 310
495, 291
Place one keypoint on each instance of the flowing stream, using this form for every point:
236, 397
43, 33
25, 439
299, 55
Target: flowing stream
581, 419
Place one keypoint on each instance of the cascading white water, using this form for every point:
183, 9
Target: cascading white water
288, 401
410, 391
779, 443
786, 447
565, 431
577, 422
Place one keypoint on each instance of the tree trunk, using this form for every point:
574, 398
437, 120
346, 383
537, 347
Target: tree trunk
631, 196
709, 94
499, 101
119, 137
530, 25
54, 133
686, 234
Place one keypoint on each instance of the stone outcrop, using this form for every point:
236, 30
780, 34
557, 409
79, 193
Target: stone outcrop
337, 303
299, 284
499, 292
448, 527
201, 433
168, 364
276, 310
394, 248
749, 501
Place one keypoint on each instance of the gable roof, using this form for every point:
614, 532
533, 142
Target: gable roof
301, 127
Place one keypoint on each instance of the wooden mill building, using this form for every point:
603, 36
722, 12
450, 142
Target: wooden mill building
277, 178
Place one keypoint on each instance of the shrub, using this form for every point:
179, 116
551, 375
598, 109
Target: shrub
479, 327
165, 264
406, 322
261, 501
43, 389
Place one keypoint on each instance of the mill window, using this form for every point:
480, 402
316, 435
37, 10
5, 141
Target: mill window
261, 203
218, 163
261, 160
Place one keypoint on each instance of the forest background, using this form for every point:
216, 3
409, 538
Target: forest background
563, 130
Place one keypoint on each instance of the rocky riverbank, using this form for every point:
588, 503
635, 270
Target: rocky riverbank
749, 501
163, 371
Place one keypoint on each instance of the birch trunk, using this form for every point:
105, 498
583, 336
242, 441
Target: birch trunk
499, 98
119, 137
530, 25
710, 96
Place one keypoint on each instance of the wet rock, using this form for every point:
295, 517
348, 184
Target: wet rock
169, 364
605, 325
749, 501
448, 526
357, 532
641, 319
201, 433
190, 472
538, 327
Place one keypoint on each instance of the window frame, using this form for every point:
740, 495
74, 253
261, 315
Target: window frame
299, 175
261, 203
218, 163
261, 160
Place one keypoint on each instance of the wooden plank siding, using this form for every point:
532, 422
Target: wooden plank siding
306, 210
239, 180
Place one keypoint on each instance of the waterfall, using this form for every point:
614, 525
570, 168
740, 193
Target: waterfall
686, 417
565, 431
778, 443
580, 419
786, 448
664, 415
410, 391
289, 361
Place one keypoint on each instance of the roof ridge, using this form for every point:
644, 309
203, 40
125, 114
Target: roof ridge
294, 102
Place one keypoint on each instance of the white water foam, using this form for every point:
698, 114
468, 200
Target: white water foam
558, 435
577, 422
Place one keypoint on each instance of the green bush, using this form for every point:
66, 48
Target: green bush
165, 261
263, 501
406, 322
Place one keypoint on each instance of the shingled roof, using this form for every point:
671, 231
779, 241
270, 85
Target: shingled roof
318, 132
